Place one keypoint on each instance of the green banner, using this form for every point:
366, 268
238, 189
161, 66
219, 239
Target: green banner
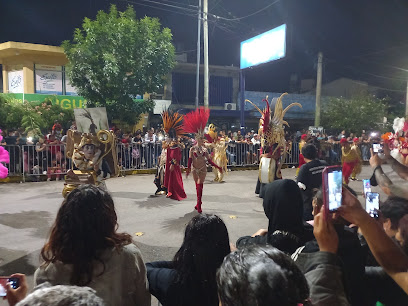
67, 102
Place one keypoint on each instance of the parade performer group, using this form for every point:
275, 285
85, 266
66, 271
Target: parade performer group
273, 143
168, 177
195, 122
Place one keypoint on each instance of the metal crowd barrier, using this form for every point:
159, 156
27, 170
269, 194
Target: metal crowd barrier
34, 161
14, 167
46, 160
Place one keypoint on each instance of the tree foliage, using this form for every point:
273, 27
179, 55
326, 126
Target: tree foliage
115, 57
34, 119
362, 112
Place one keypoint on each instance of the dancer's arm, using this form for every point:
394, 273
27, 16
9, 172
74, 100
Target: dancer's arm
383, 180
386, 252
212, 163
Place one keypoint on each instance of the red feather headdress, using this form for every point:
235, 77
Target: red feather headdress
195, 121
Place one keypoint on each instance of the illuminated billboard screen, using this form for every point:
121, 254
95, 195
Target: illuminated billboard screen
266, 47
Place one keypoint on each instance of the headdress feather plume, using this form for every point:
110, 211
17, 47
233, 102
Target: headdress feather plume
172, 121
195, 121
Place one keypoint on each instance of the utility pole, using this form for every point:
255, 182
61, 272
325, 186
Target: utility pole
198, 53
318, 88
206, 74
406, 104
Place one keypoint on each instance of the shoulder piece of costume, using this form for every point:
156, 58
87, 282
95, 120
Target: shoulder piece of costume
272, 125
195, 121
172, 124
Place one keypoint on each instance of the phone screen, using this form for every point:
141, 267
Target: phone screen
366, 186
372, 203
335, 181
377, 148
14, 283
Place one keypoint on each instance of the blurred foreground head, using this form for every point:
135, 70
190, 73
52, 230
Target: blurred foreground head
263, 276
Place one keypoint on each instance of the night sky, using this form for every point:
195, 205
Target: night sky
362, 39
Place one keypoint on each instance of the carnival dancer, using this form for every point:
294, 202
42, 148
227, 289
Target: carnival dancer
303, 140
160, 171
173, 181
358, 167
273, 143
194, 122
349, 159
220, 159
219, 152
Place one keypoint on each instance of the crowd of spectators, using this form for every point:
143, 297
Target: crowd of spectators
346, 258
140, 150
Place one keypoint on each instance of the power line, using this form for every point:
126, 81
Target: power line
383, 88
381, 51
368, 73
160, 8
176, 2
170, 5
243, 17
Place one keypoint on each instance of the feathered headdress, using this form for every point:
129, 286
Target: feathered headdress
272, 125
195, 121
172, 124
398, 125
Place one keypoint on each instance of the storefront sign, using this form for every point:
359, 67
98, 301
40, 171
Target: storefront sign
67, 102
48, 79
15, 81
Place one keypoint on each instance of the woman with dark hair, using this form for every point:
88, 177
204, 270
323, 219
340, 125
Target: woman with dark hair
84, 249
261, 275
190, 278
283, 206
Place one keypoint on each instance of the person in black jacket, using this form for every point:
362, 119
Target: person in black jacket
190, 278
283, 205
310, 178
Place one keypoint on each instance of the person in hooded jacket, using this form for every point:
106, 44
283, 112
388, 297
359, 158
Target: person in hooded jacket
283, 206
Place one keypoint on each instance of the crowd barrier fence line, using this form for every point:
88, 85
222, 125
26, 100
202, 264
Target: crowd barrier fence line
34, 161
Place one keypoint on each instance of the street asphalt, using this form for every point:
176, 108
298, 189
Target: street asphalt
155, 222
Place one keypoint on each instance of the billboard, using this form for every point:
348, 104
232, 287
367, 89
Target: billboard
266, 47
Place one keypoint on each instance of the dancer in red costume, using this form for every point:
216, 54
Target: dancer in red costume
194, 122
303, 141
172, 177
349, 159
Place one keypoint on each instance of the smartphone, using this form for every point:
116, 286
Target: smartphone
366, 186
373, 203
332, 183
378, 148
14, 283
